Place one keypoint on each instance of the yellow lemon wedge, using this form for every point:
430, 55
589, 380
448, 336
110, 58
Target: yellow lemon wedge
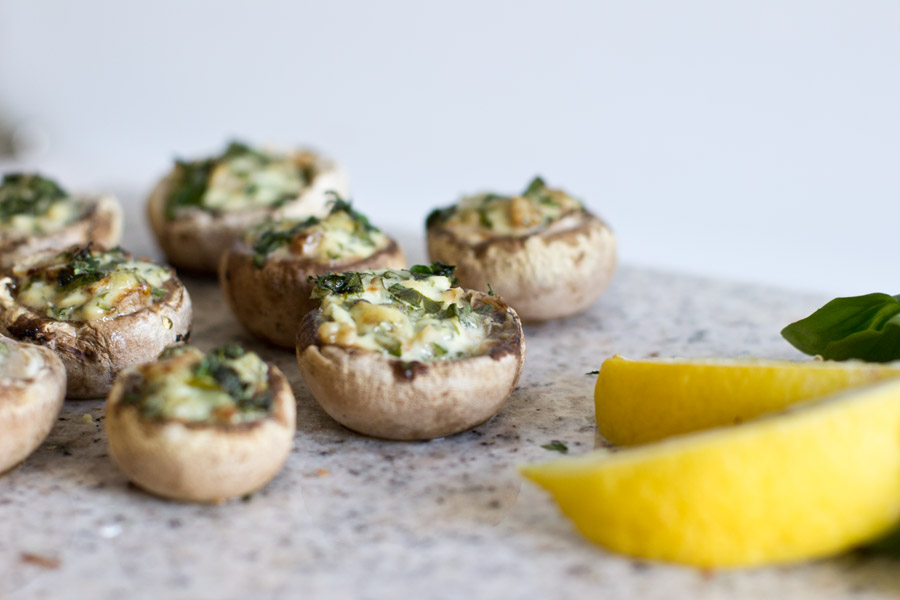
811, 481
639, 401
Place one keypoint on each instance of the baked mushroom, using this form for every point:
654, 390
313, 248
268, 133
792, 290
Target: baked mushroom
541, 251
265, 274
201, 207
32, 389
201, 427
37, 214
100, 310
409, 355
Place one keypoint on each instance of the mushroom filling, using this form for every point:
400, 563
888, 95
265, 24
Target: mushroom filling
485, 215
34, 205
226, 386
85, 284
416, 315
239, 179
343, 235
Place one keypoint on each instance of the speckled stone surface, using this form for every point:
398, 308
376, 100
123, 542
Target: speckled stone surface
354, 517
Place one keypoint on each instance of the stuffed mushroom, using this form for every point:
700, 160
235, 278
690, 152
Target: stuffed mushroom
201, 427
37, 214
265, 275
202, 206
541, 250
32, 390
100, 310
409, 355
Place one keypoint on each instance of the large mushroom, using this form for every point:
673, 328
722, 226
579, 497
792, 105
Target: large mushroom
541, 251
201, 427
265, 275
201, 207
32, 390
409, 355
100, 310
37, 214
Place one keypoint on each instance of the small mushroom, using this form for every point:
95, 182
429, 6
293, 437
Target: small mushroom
409, 355
265, 275
36, 214
201, 427
100, 311
541, 251
32, 390
201, 207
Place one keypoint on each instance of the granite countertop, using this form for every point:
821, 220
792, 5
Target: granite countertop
354, 517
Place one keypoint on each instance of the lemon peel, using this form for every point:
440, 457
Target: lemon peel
640, 401
808, 482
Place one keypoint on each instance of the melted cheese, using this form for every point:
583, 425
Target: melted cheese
436, 322
130, 286
59, 214
483, 216
333, 239
172, 388
251, 181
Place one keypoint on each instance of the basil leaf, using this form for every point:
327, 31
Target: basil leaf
861, 327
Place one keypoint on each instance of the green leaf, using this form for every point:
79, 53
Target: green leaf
27, 194
537, 186
858, 327
436, 268
556, 446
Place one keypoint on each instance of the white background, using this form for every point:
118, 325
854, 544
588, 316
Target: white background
754, 141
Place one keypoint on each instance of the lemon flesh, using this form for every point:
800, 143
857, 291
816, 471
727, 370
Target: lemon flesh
639, 401
808, 482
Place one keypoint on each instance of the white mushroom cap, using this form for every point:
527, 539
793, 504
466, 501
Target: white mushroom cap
271, 301
378, 395
199, 462
197, 239
549, 274
93, 352
32, 390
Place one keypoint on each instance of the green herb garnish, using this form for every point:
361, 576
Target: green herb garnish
414, 298
83, 268
592, 373
436, 268
858, 327
556, 446
272, 239
336, 283
215, 366
27, 194
439, 215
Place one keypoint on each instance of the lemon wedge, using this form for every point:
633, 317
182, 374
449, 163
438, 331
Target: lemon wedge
811, 481
639, 401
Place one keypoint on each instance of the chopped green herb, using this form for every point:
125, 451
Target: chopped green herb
535, 187
438, 349
859, 327
436, 268
271, 239
27, 194
337, 283
491, 290
439, 215
556, 446
83, 268
414, 298
189, 185
592, 373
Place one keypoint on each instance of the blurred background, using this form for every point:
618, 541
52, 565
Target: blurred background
754, 141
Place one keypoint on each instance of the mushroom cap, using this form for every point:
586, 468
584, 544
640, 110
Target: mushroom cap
379, 395
549, 274
93, 352
32, 391
271, 301
101, 224
200, 462
197, 239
